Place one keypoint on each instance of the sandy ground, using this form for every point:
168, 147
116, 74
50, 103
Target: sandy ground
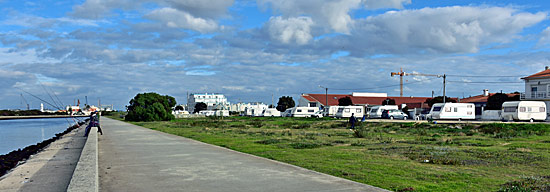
49, 170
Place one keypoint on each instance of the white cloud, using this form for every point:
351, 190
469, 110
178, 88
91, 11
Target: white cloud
292, 30
330, 14
446, 29
179, 19
380, 4
544, 37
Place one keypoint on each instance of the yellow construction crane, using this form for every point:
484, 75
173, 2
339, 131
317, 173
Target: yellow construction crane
401, 73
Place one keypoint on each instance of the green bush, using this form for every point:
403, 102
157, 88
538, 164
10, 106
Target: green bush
150, 107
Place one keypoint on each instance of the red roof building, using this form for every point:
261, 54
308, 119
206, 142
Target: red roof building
317, 100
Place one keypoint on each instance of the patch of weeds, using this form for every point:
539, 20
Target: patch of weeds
502, 130
359, 144
269, 141
532, 183
256, 124
304, 145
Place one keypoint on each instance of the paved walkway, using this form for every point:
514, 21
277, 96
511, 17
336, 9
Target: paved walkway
132, 158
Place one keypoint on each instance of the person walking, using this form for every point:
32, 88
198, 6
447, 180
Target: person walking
352, 121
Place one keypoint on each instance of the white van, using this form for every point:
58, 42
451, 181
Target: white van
376, 111
304, 111
288, 112
456, 111
524, 110
346, 111
330, 111
271, 112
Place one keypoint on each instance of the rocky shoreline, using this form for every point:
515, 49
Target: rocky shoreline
11, 160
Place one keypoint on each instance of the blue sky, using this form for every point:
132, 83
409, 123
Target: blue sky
113, 49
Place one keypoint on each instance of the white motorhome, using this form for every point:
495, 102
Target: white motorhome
456, 111
376, 111
255, 110
304, 111
271, 112
346, 111
330, 111
524, 110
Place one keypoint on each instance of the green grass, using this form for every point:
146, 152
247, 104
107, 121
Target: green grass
394, 156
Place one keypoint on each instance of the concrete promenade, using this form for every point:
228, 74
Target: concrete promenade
133, 158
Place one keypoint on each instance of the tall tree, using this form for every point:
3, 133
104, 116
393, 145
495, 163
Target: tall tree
179, 108
284, 103
150, 107
345, 101
200, 106
388, 101
439, 99
494, 102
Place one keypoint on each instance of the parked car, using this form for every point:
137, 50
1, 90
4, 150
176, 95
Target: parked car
318, 114
394, 114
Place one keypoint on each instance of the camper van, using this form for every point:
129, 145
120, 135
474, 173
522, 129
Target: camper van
524, 111
271, 112
304, 111
456, 111
346, 111
330, 111
376, 111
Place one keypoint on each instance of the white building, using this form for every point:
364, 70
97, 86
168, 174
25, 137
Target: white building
537, 87
212, 101
255, 109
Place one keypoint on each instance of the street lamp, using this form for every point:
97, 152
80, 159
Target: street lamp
326, 95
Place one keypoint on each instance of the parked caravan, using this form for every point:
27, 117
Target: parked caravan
255, 110
346, 111
456, 111
304, 111
376, 111
271, 112
524, 110
330, 111
288, 112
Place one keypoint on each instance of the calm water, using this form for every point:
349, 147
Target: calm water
19, 133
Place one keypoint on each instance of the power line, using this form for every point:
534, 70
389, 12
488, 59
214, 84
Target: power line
487, 76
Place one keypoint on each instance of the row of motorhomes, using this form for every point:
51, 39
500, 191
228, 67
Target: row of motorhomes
511, 111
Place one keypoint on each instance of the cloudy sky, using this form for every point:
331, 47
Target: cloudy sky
250, 50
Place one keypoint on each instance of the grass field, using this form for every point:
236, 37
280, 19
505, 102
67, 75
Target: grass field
394, 156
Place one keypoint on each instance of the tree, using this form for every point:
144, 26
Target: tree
284, 103
439, 99
200, 106
179, 108
345, 101
270, 106
494, 102
388, 101
150, 107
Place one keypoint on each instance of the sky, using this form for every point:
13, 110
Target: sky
111, 50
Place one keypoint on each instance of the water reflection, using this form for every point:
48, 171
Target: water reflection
19, 133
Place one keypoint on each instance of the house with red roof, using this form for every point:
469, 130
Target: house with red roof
537, 87
480, 101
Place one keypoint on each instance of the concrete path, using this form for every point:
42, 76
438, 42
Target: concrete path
133, 158
49, 170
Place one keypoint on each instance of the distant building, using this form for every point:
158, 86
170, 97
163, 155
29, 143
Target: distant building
365, 99
212, 100
480, 101
537, 87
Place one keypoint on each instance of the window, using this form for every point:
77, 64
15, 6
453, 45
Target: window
529, 109
346, 110
469, 112
340, 110
470, 106
509, 109
310, 111
437, 109
299, 110
358, 110
522, 109
447, 109
373, 110
542, 109
456, 109
313, 104
534, 89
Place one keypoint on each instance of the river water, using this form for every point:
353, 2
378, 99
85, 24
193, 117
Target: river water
19, 133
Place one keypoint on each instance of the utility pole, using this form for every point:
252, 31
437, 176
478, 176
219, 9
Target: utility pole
326, 95
401, 74
444, 84
272, 100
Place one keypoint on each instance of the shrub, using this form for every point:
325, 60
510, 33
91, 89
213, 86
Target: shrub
150, 107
